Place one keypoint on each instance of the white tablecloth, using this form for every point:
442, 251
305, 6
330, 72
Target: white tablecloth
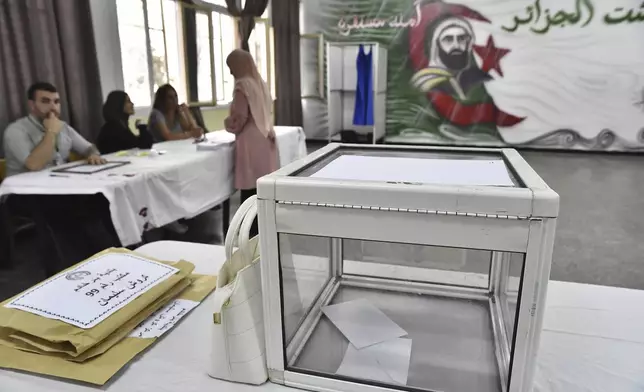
592, 342
154, 191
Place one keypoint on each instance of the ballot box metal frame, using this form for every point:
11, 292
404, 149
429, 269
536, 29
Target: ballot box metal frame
518, 219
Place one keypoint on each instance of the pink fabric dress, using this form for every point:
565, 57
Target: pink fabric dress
255, 154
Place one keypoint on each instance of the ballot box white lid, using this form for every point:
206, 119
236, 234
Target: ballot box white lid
485, 181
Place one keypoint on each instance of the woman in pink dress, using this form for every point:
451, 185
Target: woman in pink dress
251, 121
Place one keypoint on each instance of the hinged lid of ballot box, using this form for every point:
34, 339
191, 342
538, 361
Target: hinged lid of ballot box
481, 181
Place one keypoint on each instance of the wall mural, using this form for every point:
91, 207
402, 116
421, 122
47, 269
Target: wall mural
557, 74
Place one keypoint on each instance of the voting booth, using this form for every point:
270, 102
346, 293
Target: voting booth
390, 268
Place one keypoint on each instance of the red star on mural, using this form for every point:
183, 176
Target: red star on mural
491, 55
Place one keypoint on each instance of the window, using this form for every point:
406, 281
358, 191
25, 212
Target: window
154, 49
225, 42
150, 48
260, 47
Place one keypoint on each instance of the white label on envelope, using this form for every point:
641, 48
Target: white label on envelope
163, 319
91, 292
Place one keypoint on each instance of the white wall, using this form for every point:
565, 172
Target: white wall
314, 110
108, 46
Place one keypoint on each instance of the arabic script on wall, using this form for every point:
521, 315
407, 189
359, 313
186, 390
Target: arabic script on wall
348, 25
536, 18
539, 20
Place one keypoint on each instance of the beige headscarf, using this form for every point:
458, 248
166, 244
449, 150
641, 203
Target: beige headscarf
250, 83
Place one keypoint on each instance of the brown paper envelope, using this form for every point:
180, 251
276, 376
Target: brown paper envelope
57, 336
100, 369
41, 345
128, 327
24, 343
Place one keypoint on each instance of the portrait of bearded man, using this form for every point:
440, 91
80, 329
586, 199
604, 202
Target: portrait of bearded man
448, 48
443, 54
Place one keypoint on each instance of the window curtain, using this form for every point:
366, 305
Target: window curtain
190, 42
286, 25
48, 40
252, 9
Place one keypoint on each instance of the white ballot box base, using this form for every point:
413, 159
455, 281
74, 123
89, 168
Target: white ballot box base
457, 332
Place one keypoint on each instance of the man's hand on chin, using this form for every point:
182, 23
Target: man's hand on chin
96, 160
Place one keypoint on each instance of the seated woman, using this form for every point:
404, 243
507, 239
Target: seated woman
251, 121
169, 120
115, 134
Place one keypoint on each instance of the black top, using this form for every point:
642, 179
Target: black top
116, 136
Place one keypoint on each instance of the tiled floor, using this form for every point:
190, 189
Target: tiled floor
599, 234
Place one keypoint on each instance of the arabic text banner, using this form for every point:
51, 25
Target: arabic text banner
540, 73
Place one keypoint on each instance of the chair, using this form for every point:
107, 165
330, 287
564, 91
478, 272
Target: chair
196, 113
142, 127
11, 225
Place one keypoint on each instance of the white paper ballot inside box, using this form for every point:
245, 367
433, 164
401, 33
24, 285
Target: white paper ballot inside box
92, 291
386, 362
362, 323
376, 350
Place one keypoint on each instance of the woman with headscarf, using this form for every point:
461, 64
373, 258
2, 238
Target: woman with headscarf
250, 120
169, 120
115, 135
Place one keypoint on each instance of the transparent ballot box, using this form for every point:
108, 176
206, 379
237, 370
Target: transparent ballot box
405, 269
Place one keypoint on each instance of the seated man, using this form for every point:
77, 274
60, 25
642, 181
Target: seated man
41, 139
70, 227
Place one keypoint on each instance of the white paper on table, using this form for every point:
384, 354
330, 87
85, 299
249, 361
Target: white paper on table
362, 323
91, 292
472, 172
163, 319
210, 145
386, 362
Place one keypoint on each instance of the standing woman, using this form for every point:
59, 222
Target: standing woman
115, 134
169, 120
251, 121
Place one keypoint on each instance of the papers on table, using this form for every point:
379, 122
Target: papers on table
386, 362
362, 323
376, 350
492, 172
164, 319
210, 145
89, 293
86, 168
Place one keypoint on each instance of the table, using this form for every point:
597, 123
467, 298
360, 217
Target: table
592, 341
152, 191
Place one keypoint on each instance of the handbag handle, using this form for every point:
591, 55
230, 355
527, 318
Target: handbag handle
235, 226
244, 231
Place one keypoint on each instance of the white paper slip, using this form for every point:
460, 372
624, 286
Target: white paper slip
467, 172
163, 319
386, 362
91, 292
362, 323
210, 145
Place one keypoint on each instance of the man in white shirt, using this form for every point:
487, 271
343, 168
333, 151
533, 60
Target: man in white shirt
70, 227
41, 139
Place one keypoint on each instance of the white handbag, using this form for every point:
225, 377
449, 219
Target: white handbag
238, 348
